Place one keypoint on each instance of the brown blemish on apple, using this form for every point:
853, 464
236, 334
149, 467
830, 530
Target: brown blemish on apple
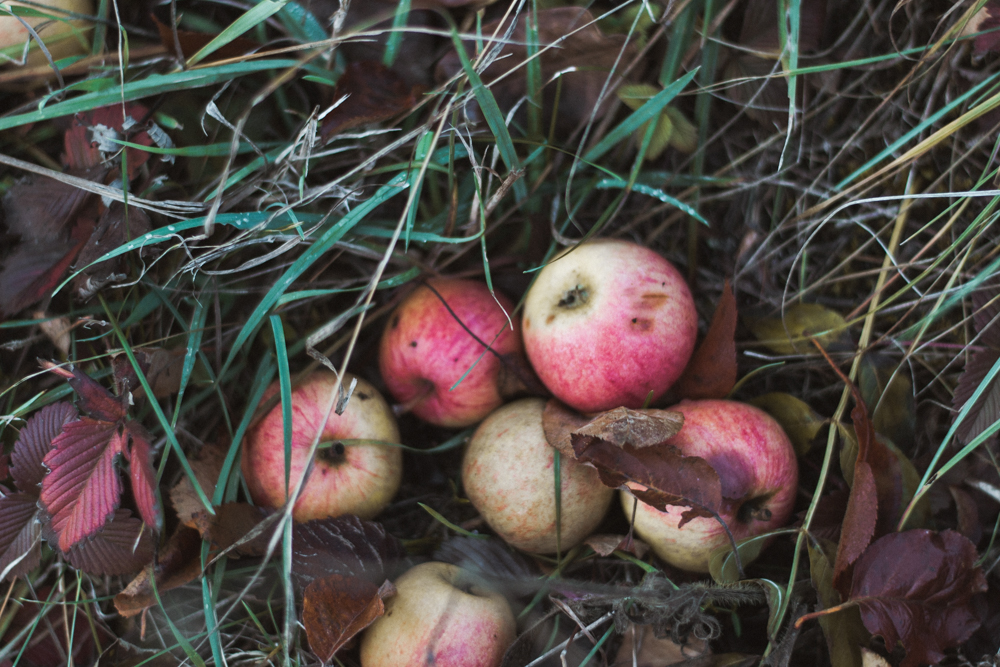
363, 396
654, 300
413, 343
395, 321
527, 323
574, 298
548, 320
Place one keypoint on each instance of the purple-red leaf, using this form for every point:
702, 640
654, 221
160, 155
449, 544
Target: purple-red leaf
143, 476
32, 271
95, 400
20, 535
711, 373
83, 490
915, 588
858, 526
345, 545
122, 546
666, 476
35, 442
374, 93
986, 410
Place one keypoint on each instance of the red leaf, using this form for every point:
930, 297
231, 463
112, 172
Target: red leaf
42, 209
858, 527
31, 272
711, 373
667, 476
83, 490
345, 545
20, 535
95, 401
35, 442
336, 608
375, 93
83, 150
915, 588
143, 476
122, 546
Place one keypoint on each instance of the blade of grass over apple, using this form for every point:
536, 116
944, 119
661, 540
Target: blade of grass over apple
226, 489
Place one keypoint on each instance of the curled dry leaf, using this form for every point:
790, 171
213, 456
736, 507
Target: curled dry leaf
711, 373
915, 588
177, 563
642, 648
338, 607
635, 428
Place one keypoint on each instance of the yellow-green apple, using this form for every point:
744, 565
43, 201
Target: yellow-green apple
509, 475
63, 36
758, 470
427, 348
347, 477
607, 323
441, 616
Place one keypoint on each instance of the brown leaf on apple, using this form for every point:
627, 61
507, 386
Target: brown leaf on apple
658, 476
605, 545
178, 563
559, 422
636, 428
711, 373
337, 607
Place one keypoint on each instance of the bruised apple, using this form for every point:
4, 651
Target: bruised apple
509, 475
756, 464
442, 617
608, 323
347, 477
427, 348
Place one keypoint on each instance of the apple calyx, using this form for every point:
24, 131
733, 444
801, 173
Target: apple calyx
332, 452
574, 298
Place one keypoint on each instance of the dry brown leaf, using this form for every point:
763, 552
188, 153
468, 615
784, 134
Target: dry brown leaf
605, 545
559, 422
207, 466
178, 563
337, 607
636, 428
651, 651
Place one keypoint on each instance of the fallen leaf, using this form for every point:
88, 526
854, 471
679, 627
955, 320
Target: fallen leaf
345, 545
191, 42
122, 546
915, 589
374, 94
967, 514
711, 373
231, 523
20, 535
636, 428
89, 140
116, 226
558, 423
207, 466
177, 563
336, 608
658, 476
986, 410
888, 392
798, 420
986, 20
34, 442
56, 329
800, 324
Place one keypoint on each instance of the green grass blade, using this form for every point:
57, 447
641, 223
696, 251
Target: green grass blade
396, 36
285, 384
254, 16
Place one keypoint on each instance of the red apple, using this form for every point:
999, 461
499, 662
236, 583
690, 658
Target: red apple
440, 616
508, 474
607, 323
347, 478
426, 350
756, 464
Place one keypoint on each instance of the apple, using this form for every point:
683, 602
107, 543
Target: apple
442, 616
351, 478
63, 36
756, 464
508, 474
426, 350
607, 323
